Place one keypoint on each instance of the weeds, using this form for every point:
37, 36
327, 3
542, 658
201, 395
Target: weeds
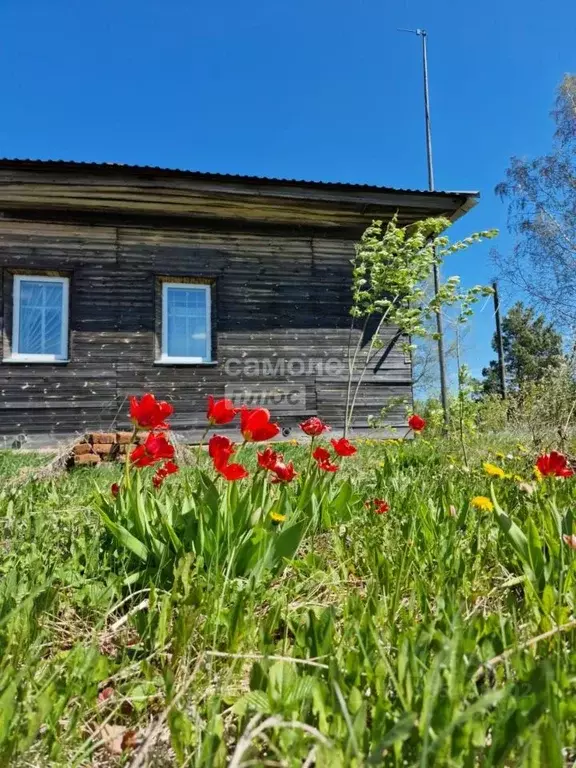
437, 633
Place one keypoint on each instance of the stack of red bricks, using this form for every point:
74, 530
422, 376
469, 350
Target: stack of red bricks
101, 446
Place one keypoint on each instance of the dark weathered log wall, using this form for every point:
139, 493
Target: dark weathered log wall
275, 298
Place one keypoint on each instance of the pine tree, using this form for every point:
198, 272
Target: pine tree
531, 348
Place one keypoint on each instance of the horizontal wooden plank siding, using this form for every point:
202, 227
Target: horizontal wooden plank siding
280, 317
114, 190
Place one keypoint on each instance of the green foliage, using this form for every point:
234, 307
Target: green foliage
436, 634
393, 265
532, 348
226, 527
391, 288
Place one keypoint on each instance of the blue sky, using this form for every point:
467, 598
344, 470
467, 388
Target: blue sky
317, 89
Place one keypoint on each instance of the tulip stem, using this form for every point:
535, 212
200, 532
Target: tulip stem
127, 459
310, 456
201, 443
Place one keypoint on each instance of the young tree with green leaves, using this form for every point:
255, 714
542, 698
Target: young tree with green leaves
391, 288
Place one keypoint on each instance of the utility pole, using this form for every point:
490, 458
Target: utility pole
436, 271
499, 344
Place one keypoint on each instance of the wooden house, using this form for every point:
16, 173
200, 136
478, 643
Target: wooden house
117, 280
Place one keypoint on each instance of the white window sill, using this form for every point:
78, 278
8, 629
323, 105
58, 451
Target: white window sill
31, 359
184, 361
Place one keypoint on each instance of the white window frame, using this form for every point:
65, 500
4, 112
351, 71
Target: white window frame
23, 357
164, 356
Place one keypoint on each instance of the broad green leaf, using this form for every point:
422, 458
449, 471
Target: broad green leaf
125, 538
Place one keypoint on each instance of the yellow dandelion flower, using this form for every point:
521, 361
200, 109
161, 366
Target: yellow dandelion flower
499, 455
537, 474
493, 470
293, 442
482, 503
277, 517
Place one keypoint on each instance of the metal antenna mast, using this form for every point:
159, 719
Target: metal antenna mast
436, 272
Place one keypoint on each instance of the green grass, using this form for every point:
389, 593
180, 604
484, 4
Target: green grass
370, 647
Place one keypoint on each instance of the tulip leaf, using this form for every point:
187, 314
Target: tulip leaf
125, 537
513, 532
288, 541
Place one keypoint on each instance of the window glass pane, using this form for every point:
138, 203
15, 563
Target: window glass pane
187, 324
40, 321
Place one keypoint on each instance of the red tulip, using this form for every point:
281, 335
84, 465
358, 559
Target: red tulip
218, 443
220, 449
156, 448
233, 471
314, 426
321, 454
416, 423
114, 489
150, 413
268, 458
554, 463
323, 457
220, 411
256, 426
169, 468
328, 466
285, 473
343, 447
380, 506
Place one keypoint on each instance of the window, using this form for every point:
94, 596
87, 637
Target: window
40, 318
186, 323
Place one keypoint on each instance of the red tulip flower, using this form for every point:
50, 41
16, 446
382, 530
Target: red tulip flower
314, 426
321, 454
328, 466
343, 447
285, 473
268, 459
220, 449
232, 471
322, 457
256, 426
220, 411
114, 489
416, 423
156, 448
149, 413
555, 464
381, 506
169, 468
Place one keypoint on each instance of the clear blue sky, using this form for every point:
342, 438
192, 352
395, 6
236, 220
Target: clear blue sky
314, 89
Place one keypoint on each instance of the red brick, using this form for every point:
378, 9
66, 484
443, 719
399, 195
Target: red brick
87, 459
103, 448
102, 437
123, 437
82, 448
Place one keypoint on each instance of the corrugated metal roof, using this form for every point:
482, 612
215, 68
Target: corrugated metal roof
203, 175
